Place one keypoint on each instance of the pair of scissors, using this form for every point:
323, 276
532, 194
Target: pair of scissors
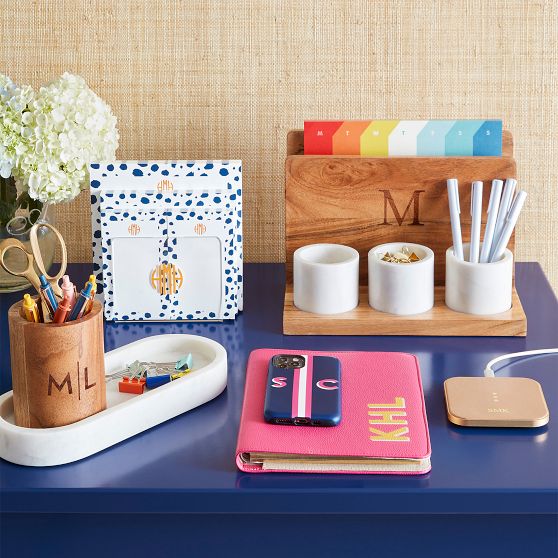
34, 258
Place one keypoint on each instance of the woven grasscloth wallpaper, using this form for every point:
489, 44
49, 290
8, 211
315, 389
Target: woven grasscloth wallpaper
193, 79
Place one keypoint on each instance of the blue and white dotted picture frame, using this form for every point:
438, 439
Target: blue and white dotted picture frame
167, 239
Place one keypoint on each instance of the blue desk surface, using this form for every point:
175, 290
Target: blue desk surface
187, 464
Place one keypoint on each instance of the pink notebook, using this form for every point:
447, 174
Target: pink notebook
383, 426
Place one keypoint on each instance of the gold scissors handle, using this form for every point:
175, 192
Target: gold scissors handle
29, 271
35, 258
36, 250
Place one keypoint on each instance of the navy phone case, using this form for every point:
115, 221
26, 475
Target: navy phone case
308, 394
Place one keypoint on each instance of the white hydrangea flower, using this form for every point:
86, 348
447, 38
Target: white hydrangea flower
16, 135
67, 127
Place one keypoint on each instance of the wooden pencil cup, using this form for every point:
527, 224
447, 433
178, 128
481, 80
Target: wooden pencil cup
58, 370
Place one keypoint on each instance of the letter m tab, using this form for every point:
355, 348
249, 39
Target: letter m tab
414, 201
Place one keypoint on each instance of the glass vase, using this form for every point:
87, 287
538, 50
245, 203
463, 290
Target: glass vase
17, 215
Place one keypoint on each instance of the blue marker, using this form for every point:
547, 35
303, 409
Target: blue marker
48, 296
79, 306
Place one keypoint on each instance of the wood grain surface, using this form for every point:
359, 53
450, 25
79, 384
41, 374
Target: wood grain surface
363, 202
58, 371
440, 321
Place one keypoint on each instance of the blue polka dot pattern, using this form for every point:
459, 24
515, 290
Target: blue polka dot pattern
201, 193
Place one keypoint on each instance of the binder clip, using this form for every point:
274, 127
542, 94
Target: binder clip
131, 385
134, 379
138, 375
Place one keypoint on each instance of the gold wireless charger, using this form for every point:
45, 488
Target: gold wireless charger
497, 402
503, 402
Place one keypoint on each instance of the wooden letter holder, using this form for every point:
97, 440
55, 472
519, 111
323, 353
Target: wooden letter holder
363, 202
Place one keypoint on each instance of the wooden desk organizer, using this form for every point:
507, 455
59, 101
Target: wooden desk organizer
365, 201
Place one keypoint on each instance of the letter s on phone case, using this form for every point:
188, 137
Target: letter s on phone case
279, 382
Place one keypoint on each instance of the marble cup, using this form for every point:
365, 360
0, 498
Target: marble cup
325, 278
401, 288
478, 288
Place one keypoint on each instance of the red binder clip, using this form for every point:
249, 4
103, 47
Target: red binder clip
131, 385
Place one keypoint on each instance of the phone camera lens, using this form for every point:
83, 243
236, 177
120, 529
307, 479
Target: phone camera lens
281, 362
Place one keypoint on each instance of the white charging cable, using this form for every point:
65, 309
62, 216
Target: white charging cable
489, 372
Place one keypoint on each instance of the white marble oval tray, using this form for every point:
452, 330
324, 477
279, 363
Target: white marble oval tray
126, 415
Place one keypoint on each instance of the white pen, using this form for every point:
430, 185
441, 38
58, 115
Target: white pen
509, 225
476, 216
492, 215
505, 205
455, 210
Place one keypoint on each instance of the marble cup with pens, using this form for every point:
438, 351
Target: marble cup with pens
479, 275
